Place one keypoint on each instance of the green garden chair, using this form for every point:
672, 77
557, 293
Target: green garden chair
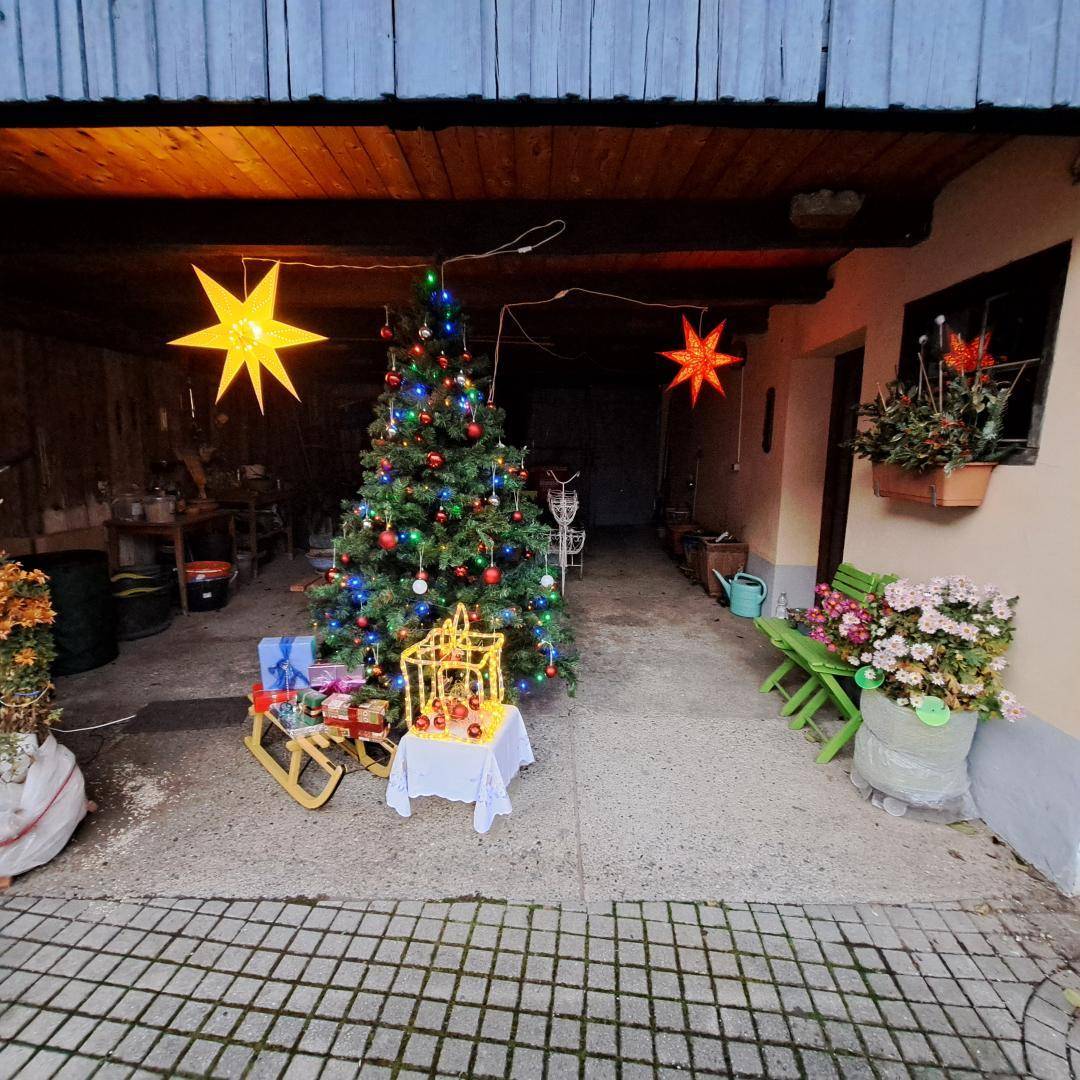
822, 669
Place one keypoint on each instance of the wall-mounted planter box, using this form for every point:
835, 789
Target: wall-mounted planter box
964, 487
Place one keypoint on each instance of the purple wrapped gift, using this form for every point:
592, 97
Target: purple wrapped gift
334, 679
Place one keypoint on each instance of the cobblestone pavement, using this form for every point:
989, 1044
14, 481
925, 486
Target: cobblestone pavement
176, 987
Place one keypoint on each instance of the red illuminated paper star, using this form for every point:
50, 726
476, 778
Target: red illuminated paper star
699, 360
967, 356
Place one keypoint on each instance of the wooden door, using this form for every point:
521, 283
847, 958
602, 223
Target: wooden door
847, 388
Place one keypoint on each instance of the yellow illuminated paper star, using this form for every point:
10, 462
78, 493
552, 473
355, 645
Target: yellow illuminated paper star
699, 360
249, 332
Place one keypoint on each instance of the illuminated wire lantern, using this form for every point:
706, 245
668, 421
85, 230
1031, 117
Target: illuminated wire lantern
455, 665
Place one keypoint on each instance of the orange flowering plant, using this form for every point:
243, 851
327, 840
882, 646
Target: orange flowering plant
26, 650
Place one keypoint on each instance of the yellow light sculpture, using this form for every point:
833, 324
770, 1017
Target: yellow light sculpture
249, 333
453, 663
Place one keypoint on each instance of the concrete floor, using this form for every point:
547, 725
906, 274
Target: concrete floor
668, 776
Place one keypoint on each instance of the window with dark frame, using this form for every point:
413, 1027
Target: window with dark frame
1018, 305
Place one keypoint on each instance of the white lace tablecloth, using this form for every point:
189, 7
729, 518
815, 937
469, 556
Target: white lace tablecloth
464, 772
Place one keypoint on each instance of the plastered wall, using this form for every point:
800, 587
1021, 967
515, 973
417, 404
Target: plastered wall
1026, 536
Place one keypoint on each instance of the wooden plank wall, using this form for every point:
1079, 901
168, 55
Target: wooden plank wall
84, 421
919, 54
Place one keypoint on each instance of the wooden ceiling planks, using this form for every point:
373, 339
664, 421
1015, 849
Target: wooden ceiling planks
475, 163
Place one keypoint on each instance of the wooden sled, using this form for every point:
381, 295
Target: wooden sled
304, 750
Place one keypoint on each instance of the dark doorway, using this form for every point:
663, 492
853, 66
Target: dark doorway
847, 388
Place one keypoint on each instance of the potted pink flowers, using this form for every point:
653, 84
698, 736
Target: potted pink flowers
930, 659
840, 623
933, 666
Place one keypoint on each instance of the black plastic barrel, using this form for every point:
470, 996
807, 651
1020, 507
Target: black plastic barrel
143, 596
85, 627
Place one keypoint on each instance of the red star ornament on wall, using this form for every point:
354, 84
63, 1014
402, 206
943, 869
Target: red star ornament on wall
698, 360
967, 356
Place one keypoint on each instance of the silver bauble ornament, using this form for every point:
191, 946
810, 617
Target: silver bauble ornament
419, 586
547, 581
365, 524
493, 499
424, 332
460, 378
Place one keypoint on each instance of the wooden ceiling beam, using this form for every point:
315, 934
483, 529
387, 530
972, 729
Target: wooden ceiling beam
436, 227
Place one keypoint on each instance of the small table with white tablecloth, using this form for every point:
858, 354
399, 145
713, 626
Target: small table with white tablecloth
461, 771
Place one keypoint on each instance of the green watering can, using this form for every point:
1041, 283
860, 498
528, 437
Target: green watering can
745, 593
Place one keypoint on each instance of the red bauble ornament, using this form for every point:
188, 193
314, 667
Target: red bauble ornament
403, 634
435, 460
332, 575
441, 516
421, 722
386, 332
388, 540
466, 357
417, 349
376, 670
475, 731
474, 616
475, 431
474, 701
426, 418
439, 722
459, 710
386, 464
551, 671
523, 474
345, 558
363, 622
492, 575
461, 571
517, 517
448, 382
422, 575
392, 379
443, 361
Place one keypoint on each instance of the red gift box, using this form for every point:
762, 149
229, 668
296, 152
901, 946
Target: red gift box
261, 699
363, 721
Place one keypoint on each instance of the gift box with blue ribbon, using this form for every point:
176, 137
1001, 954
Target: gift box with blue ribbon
285, 662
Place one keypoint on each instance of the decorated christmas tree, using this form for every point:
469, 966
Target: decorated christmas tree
442, 517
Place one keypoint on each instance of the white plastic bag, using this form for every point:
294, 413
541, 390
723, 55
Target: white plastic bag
906, 767
38, 815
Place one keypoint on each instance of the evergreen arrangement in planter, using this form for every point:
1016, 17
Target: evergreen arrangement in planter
938, 445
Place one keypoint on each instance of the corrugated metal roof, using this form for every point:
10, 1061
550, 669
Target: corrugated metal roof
872, 54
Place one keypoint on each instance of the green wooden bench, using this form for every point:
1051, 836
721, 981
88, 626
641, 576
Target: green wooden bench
821, 667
